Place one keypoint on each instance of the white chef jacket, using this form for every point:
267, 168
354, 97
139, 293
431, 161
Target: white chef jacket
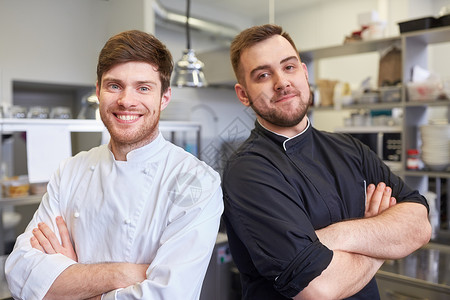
162, 206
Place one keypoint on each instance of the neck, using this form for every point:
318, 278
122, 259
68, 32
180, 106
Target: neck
285, 131
121, 149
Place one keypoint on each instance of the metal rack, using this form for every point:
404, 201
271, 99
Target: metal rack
414, 47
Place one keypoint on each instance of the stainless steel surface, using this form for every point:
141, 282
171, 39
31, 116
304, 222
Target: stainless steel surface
430, 264
4, 292
425, 275
212, 28
251, 9
217, 284
188, 71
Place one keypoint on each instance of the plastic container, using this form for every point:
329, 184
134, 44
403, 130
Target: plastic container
444, 20
38, 112
17, 112
16, 186
60, 112
390, 94
368, 98
418, 24
413, 161
423, 91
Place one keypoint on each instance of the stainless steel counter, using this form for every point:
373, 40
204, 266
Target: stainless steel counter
424, 274
431, 263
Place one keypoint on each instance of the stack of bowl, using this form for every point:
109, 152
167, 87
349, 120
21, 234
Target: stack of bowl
436, 146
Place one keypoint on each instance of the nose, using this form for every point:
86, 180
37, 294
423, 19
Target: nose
281, 81
126, 98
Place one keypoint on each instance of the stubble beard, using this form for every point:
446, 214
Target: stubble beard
136, 138
281, 117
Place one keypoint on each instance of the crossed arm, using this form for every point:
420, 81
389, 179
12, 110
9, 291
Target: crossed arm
87, 281
360, 246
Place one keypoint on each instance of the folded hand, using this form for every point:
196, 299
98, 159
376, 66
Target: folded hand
378, 199
45, 240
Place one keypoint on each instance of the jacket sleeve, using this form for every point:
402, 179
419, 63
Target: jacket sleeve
377, 171
30, 272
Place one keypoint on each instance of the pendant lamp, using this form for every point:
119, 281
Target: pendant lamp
189, 69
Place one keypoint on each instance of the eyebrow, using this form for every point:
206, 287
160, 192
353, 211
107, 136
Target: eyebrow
263, 67
112, 79
293, 57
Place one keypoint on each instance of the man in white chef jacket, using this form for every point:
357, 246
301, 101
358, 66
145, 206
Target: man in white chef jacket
134, 219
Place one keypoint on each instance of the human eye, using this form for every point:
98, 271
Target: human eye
290, 67
262, 76
145, 89
113, 86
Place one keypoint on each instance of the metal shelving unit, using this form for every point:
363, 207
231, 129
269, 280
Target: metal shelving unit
414, 47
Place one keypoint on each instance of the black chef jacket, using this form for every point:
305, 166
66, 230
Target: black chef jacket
278, 191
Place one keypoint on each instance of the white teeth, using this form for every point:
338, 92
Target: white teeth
127, 117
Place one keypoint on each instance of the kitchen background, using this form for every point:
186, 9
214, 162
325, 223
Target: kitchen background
49, 49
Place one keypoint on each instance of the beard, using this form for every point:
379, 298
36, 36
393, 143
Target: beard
133, 138
279, 116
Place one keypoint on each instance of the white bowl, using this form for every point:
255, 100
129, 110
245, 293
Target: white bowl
437, 167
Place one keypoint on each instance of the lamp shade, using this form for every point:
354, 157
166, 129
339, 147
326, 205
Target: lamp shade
189, 71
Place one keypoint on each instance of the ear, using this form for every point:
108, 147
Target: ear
305, 69
165, 99
97, 90
242, 94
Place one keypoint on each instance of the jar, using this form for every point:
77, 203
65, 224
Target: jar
413, 159
38, 112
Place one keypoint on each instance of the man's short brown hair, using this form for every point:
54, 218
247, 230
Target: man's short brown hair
135, 45
250, 37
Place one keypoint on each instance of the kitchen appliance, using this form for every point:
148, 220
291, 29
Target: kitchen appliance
386, 144
219, 276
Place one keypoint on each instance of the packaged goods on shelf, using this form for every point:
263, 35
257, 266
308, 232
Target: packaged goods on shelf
16, 186
423, 91
390, 93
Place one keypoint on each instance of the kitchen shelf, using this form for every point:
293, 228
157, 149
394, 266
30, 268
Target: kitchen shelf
414, 46
349, 49
24, 200
76, 125
369, 129
421, 173
429, 36
17, 125
427, 103
372, 106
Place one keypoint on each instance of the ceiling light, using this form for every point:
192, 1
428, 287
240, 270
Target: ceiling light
189, 69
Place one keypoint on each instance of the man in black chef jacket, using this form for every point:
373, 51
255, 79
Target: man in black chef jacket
299, 222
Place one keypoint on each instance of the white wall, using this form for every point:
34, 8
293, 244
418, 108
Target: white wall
57, 41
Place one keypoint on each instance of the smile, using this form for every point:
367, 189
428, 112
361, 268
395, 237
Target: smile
285, 97
127, 117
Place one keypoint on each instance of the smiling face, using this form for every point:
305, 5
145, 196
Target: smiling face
130, 104
275, 85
